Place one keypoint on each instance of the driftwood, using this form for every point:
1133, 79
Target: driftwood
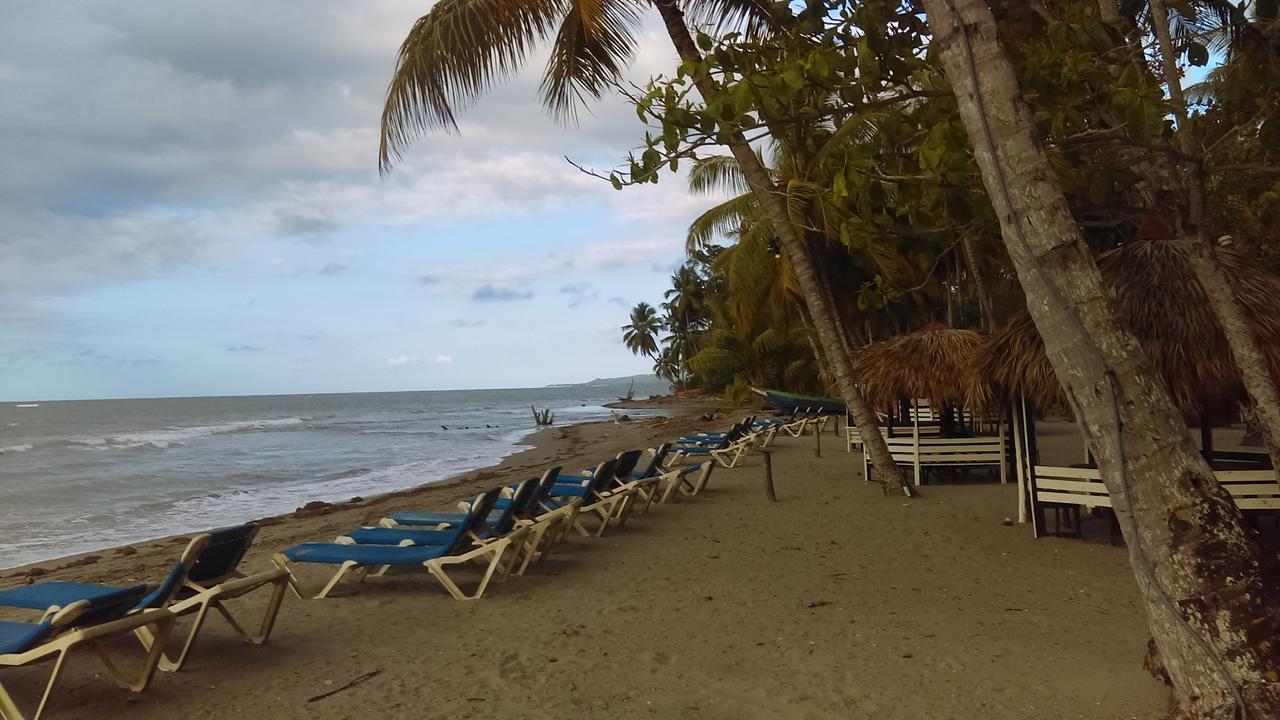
542, 417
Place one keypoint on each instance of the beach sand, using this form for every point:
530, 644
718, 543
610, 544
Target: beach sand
834, 602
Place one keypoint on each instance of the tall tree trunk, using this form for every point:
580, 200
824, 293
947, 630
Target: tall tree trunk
822, 311
1209, 591
1264, 399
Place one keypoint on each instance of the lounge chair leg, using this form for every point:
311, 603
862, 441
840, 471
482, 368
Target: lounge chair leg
167, 664
139, 682
342, 570
9, 708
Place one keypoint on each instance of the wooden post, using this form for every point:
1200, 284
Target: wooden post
768, 474
817, 446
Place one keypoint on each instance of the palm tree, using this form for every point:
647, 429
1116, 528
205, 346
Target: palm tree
460, 48
667, 366
641, 334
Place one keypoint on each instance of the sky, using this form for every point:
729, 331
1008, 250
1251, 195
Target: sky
190, 205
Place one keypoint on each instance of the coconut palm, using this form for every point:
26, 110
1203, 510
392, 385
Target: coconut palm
641, 334
461, 48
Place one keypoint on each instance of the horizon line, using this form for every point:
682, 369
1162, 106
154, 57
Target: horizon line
17, 401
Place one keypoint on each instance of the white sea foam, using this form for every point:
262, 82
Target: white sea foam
178, 436
15, 448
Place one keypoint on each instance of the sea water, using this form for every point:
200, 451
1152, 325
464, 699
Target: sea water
84, 475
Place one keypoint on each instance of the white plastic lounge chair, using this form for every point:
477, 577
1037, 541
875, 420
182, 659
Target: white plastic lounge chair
436, 558
66, 628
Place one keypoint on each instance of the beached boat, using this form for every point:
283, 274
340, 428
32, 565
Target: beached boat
785, 402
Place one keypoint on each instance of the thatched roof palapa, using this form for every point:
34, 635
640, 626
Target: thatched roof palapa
1161, 302
929, 363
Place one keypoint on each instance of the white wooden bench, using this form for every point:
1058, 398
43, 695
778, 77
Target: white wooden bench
923, 452
1055, 486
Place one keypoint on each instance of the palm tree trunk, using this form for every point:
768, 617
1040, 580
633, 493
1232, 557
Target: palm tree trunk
1209, 590
979, 282
1254, 371
822, 312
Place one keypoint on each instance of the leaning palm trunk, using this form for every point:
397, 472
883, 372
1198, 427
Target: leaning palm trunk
1264, 400
822, 310
1209, 591
979, 282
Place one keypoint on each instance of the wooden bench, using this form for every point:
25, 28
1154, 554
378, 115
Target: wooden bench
925, 452
1067, 489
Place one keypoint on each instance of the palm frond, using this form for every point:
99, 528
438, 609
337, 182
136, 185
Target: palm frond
720, 221
861, 127
715, 174
595, 42
753, 17
455, 52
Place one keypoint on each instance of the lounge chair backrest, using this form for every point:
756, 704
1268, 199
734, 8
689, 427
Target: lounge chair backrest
655, 460
545, 484
177, 577
604, 475
525, 496
480, 509
627, 462
104, 608
223, 554
660, 457
490, 527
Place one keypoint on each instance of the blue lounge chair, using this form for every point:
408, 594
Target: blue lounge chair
494, 526
435, 558
216, 578
54, 595
602, 496
522, 503
83, 621
204, 576
530, 515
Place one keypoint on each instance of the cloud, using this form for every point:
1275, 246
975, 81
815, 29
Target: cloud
643, 252
331, 269
493, 293
428, 279
580, 293
399, 361
290, 224
615, 300
464, 323
243, 348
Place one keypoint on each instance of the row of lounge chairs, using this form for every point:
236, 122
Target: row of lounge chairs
504, 529
500, 531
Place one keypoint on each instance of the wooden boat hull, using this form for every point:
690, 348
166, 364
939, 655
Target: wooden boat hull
785, 402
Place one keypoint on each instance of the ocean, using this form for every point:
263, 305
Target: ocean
84, 475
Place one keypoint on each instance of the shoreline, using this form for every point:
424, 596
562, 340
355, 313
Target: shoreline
534, 451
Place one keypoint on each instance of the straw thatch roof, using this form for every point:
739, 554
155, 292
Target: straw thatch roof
929, 363
1160, 301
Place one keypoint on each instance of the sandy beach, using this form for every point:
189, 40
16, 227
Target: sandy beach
834, 602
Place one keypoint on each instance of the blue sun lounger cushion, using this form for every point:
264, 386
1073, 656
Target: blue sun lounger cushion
498, 520
59, 594
459, 550
83, 621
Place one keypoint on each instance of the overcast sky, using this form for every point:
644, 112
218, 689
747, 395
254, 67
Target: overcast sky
190, 205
